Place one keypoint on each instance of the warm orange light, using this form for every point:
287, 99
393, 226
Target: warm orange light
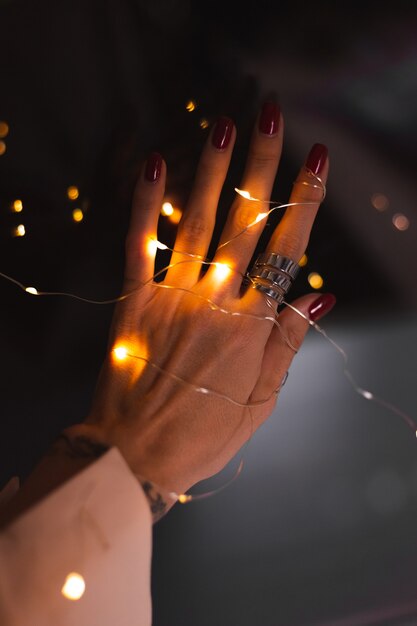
175, 218
17, 206
167, 209
120, 353
154, 245
4, 129
77, 215
74, 586
183, 498
73, 192
2, 147
191, 106
19, 231
260, 217
303, 261
204, 123
243, 193
221, 271
32, 290
315, 280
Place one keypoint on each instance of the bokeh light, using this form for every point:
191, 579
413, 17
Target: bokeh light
379, 201
17, 206
73, 192
191, 106
204, 123
77, 215
19, 231
400, 221
167, 209
315, 280
303, 261
2, 147
4, 129
73, 587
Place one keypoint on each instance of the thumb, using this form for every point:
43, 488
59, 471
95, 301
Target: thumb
286, 339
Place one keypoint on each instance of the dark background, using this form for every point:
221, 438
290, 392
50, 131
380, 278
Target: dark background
320, 527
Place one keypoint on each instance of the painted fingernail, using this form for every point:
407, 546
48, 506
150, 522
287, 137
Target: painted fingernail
321, 306
153, 167
317, 158
222, 133
269, 118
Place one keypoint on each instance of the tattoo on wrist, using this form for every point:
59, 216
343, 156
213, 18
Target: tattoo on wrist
79, 447
156, 502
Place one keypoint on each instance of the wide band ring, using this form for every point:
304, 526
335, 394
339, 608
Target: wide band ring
273, 274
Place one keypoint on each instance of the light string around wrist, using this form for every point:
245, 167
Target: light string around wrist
193, 258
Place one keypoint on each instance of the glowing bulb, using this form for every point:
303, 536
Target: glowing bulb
315, 280
19, 231
2, 147
120, 353
221, 271
175, 218
77, 215
243, 193
183, 498
4, 129
154, 245
204, 123
32, 290
260, 217
17, 206
400, 221
74, 586
303, 260
190, 106
368, 395
167, 208
72, 192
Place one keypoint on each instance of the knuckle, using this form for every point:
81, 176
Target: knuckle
194, 226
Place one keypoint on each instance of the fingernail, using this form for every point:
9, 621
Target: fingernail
153, 167
321, 306
269, 118
222, 133
317, 158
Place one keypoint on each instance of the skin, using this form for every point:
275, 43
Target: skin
170, 434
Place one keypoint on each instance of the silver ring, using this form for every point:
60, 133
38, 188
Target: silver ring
273, 274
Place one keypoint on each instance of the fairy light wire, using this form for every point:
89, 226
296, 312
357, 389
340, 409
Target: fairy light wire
193, 258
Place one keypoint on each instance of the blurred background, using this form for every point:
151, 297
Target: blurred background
320, 526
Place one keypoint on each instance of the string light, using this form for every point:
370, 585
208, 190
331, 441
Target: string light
191, 106
4, 129
17, 206
19, 231
73, 192
154, 245
73, 587
167, 209
121, 352
77, 215
2, 148
315, 280
221, 271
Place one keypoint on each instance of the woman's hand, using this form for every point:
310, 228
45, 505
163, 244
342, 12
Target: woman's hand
147, 404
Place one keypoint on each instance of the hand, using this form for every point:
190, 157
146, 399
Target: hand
167, 430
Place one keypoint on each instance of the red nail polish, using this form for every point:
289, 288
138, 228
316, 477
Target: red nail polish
222, 133
153, 167
321, 306
269, 118
317, 158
